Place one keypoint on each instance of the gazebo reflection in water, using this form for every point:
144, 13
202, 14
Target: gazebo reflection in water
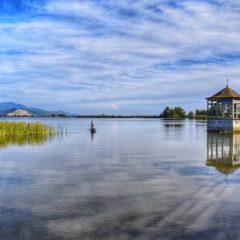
223, 151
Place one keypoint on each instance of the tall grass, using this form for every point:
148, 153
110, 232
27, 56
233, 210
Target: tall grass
25, 129
22, 133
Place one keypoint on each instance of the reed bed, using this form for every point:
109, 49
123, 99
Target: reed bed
22, 133
24, 129
21, 140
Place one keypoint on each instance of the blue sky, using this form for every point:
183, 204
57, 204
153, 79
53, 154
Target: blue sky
117, 57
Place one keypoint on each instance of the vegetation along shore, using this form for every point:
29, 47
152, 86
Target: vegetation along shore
25, 129
168, 113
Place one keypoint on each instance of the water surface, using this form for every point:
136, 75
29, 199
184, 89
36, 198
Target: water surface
134, 179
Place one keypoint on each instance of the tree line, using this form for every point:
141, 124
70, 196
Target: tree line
170, 113
180, 113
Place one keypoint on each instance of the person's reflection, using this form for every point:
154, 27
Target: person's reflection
92, 136
223, 152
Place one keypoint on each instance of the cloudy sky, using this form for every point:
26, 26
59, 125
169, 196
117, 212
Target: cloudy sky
117, 57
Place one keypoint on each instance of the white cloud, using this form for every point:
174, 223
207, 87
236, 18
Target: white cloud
81, 55
114, 106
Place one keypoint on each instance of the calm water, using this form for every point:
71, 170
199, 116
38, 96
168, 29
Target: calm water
134, 179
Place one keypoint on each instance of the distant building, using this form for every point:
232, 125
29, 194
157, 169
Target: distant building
20, 113
223, 109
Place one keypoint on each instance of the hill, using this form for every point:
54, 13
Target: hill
16, 109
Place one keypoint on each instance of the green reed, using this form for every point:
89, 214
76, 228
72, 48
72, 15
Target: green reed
25, 129
22, 133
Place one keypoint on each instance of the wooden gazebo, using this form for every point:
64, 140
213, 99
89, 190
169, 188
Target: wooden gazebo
223, 110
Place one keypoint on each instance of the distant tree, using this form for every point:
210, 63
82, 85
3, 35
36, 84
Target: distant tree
61, 115
176, 113
191, 115
179, 112
167, 113
200, 112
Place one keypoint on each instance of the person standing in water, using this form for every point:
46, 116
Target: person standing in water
93, 128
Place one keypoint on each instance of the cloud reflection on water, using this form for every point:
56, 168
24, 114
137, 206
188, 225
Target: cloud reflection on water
137, 181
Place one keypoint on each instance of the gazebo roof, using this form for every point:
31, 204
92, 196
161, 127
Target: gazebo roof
225, 168
226, 93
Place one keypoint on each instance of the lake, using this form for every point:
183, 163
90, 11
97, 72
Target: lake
142, 179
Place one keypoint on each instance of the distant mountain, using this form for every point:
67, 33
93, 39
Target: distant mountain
16, 109
11, 105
